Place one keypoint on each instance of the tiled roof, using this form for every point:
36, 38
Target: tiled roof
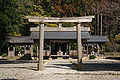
98, 38
58, 35
20, 39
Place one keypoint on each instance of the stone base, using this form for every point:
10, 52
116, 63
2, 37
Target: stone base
59, 57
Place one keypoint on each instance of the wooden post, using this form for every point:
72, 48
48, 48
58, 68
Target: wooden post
98, 52
69, 48
79, 47
60, 25
24, 49
41, 46
50, 51
8, 51
87, 49
37, 53
31, 49
13, 51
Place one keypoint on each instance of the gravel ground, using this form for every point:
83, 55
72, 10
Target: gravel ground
60, 70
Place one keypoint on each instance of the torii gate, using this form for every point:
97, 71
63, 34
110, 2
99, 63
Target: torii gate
42, 20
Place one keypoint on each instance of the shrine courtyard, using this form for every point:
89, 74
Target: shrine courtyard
60, 69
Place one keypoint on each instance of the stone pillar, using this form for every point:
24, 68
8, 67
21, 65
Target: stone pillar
11, 53
41, 46
79, 47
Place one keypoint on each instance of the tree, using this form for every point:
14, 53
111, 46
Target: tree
117, 38
12, 14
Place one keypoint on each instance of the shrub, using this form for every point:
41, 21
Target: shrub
35, 54
92, 57
52, 25
4, 55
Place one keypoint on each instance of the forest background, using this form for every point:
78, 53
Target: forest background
106, 21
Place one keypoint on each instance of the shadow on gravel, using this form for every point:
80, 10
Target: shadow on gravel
62, 66
9, 79
30, 68
17, 61
101, 67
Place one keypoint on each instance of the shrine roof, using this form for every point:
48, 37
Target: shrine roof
98, 38
60, 35
19, 39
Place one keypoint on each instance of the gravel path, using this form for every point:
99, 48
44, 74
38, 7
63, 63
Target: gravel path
60, 70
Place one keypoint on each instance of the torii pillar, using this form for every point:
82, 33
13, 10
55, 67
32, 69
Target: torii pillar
41, 46
79, 46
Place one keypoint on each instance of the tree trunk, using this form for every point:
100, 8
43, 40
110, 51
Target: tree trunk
101, 26
98, 30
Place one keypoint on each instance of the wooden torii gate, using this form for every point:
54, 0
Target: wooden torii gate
42, 20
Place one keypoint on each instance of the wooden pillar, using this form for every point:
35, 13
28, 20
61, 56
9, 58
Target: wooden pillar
59, 44
102, 47
37, 53
50, 51
41, 46
98, 50
8, 51
60, 25
25, 49
87, 49
13, 51
69, 48
31, 50
79, 47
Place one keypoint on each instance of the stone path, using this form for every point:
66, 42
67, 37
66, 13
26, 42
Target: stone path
60, 70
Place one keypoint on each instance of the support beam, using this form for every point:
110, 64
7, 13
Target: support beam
79, 48
41, 47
